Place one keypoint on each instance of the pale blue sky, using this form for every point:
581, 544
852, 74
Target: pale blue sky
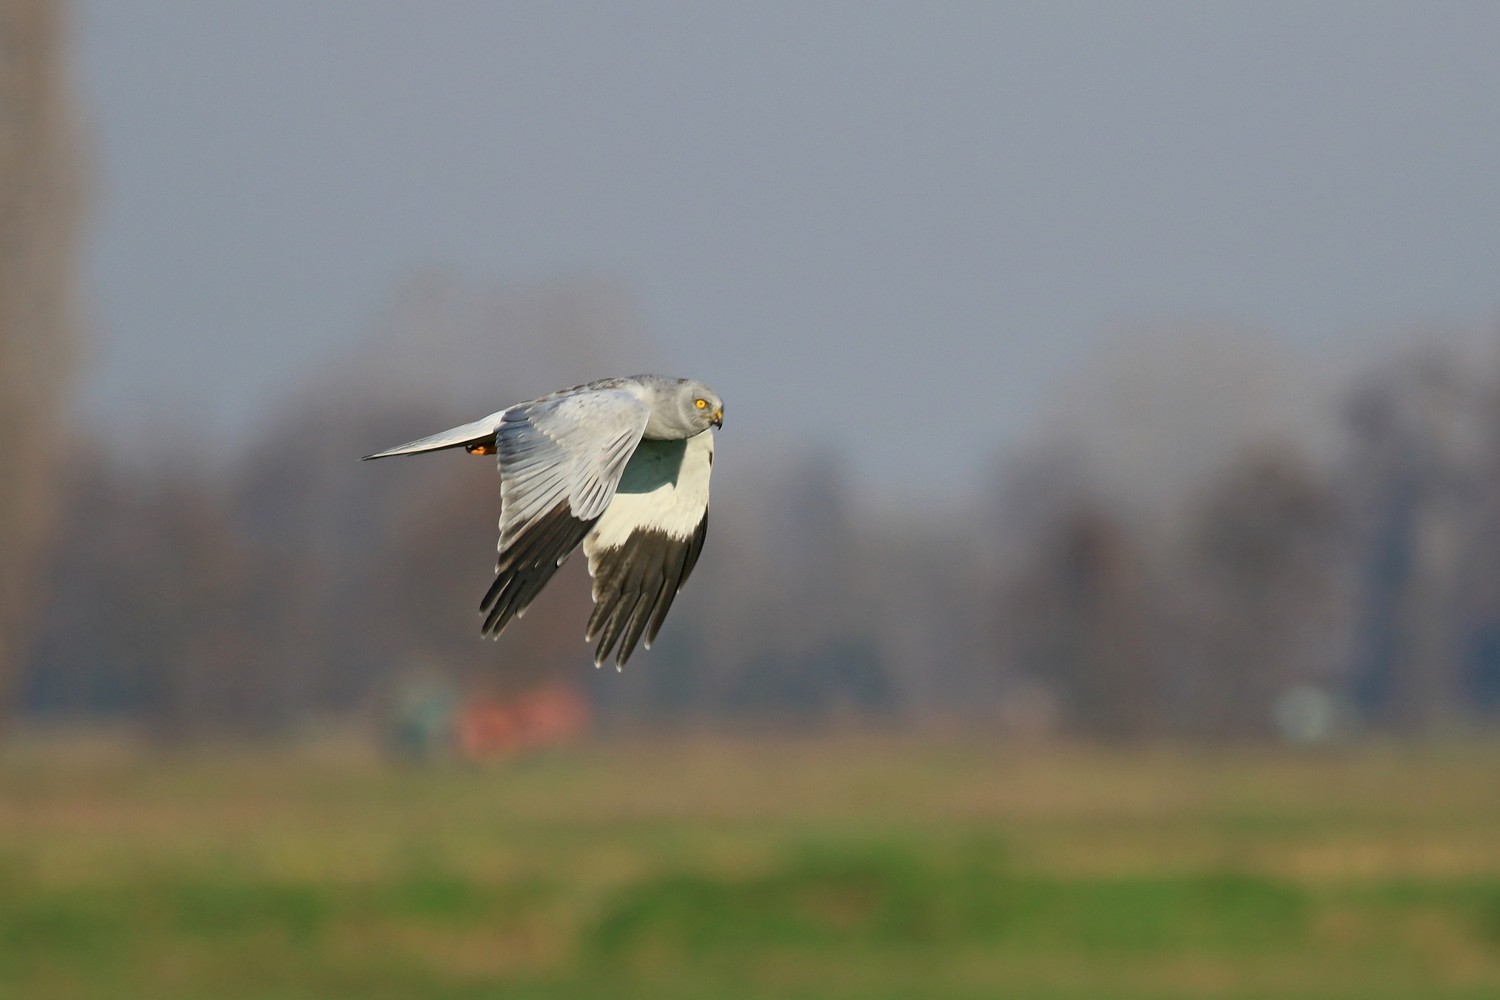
899, 224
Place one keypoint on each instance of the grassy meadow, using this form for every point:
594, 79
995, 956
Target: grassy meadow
789, 868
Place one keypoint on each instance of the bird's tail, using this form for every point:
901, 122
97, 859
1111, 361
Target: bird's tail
475, 436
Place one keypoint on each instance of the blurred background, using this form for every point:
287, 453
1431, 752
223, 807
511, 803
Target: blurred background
1103, 590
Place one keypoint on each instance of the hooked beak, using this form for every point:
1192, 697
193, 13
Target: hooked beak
718, 420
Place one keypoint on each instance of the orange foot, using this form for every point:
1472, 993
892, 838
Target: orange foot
480, 449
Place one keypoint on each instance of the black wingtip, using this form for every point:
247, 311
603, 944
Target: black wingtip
528, 563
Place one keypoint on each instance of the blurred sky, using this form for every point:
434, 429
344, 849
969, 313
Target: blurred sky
899, 226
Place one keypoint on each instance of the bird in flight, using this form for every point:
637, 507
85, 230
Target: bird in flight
619, 464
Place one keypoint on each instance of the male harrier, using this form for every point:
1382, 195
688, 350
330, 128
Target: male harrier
620, 465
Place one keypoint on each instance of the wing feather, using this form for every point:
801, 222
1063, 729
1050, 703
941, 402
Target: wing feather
645, 544
561, 458
526, 567
570, 446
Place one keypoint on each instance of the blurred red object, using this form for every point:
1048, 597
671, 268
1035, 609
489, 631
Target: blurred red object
547, 716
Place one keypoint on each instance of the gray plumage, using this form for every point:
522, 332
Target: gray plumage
620, 465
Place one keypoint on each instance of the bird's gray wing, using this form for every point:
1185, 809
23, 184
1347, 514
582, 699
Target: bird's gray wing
645, 545
561, 458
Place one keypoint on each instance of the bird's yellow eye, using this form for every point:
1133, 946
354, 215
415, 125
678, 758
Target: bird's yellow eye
701, 404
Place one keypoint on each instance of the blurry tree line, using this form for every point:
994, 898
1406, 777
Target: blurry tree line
1285, 591
1280, 589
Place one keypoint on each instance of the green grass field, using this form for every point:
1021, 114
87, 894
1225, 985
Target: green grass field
689, 868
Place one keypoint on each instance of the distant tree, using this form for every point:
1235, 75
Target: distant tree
780, 562
1422, 477
1082, 611
40, 207
152, 617
1257, 592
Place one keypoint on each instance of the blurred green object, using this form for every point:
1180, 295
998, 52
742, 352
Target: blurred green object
850, 867
418, 724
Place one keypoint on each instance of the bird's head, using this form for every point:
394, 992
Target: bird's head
698, 407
